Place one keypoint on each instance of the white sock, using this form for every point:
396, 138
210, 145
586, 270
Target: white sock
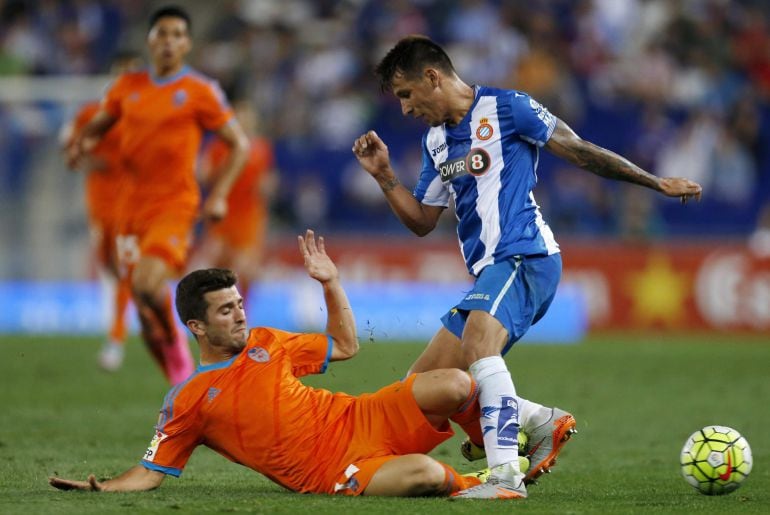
532, 414
499, 411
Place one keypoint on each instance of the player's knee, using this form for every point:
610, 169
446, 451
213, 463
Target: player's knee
457, 385
149, 280
142, 289
426, 477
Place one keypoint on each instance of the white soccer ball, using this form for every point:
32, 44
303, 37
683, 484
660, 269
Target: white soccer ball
715, 460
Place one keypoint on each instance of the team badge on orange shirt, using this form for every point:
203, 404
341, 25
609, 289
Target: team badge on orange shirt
180, 97
485, 131
259, 355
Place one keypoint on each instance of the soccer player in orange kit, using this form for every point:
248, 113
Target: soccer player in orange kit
164, 112
105, 187
237, 241
245, 401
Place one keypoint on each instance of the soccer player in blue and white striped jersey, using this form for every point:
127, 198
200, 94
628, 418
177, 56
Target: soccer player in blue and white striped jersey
482, 151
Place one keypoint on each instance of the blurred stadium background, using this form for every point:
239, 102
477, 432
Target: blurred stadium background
680, 87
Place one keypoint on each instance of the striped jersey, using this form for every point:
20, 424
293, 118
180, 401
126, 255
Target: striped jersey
487, 163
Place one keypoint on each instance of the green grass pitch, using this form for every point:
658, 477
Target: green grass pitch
636, 399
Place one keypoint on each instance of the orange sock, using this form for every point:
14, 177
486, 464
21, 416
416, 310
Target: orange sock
467, 416
122, 296
454, 482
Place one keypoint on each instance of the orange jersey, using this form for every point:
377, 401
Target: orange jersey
163, 121
247, 208
106, 185
253, 410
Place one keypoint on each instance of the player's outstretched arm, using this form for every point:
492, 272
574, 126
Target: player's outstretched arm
584, 154
88, 136
341, 323
372, 154
135, 479
215, 207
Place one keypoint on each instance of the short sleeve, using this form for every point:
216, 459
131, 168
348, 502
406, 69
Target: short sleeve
429, 189
81, 118
84, 116
113, 98
309, 353
534, 123
212, 109
176, 437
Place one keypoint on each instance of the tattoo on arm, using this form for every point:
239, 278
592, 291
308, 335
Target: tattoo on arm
595, 159
389, 185
606, 163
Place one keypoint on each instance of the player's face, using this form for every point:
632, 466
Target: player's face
226, 320
169, 43
421, 98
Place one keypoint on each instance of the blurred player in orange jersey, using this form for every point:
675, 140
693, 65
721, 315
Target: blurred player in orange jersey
164, 112
245, 401
237, 241
106, 185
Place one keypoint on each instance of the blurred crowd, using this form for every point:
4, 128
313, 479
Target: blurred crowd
681, 87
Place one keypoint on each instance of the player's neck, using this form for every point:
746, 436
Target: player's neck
461, 100
211, 355
167, 70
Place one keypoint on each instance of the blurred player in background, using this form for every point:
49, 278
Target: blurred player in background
237, 241
105, 190
482, 150
246, 402
164, 112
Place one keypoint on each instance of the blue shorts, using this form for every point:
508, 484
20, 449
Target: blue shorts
517, 292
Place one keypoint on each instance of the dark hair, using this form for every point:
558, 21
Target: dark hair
190, 304
410, 56
122, 58
125, 54
173, 11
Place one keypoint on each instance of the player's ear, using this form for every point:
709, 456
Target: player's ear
432, 76
188, 42
197, 327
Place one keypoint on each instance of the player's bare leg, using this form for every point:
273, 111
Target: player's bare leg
245, 263
443, 351
111, 355
208, 253
483, 339
417, 475
112, 352
439, 394
153, 298
446, 350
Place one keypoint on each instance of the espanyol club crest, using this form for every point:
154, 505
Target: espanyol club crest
259, 355
485, 131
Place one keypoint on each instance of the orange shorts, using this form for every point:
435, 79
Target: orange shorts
164, 233
386, 424
240, 231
